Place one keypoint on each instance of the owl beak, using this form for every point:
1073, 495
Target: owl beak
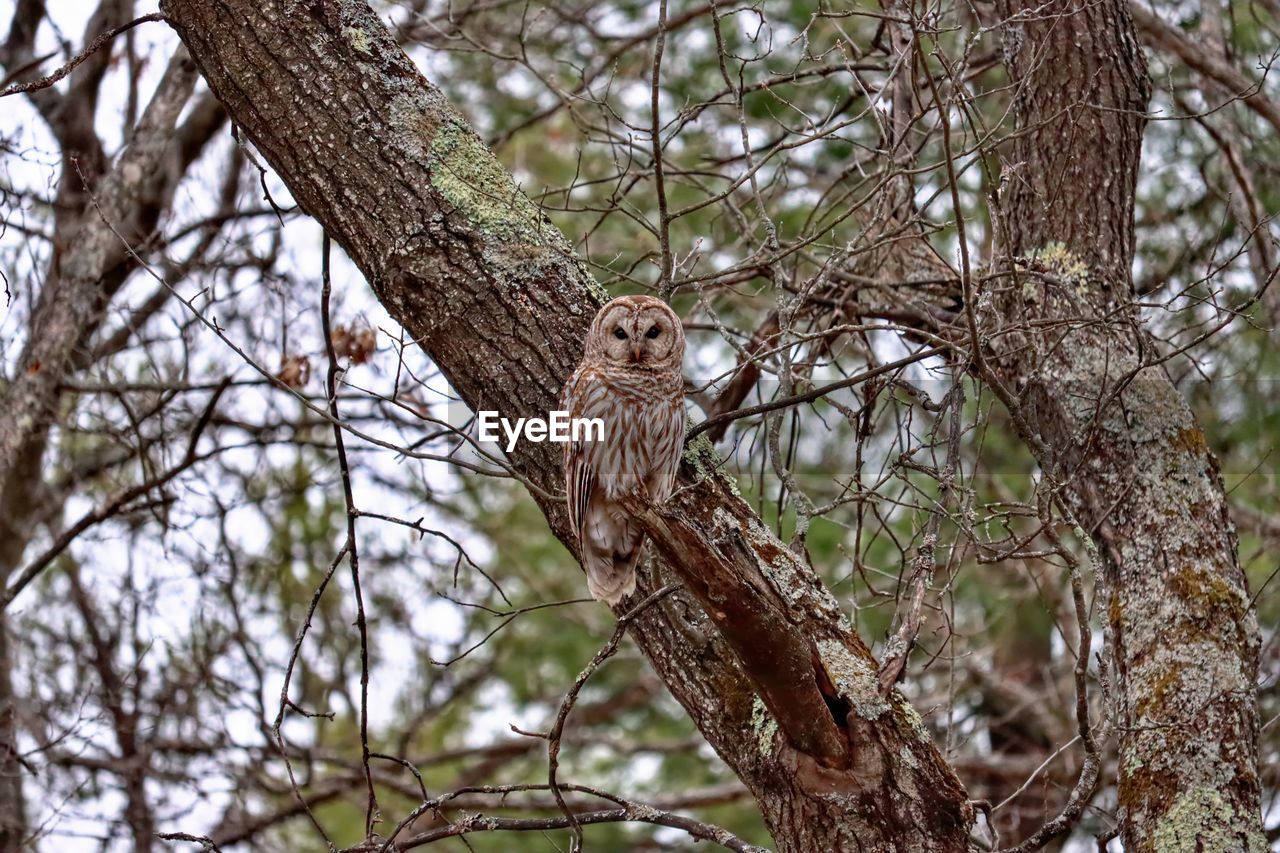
635, 351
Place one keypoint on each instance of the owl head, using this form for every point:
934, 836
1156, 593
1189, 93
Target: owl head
639, 332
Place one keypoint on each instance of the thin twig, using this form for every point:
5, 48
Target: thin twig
331, 389
89, 50
557, 729
815, 393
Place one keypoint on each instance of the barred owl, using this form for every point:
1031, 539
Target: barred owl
629, 377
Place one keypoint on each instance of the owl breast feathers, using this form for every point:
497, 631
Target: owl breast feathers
630, 378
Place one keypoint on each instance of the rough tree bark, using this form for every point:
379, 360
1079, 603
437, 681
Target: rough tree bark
1108, 426
494, 294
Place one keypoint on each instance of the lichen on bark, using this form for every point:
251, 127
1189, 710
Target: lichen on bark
467, 175
854, 678
764, 726
1201, 820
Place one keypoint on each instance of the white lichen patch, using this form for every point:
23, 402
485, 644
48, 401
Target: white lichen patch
1132, 763
788, 576
854, 678
589, 283
407, 117
641, 812
763, 725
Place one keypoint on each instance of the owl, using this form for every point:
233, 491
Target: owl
629, 377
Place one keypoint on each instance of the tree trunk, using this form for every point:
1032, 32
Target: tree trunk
98, 210
13, 823
1110, 429
496, 297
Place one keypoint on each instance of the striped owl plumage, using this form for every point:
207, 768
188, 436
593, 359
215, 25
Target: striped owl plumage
630, 377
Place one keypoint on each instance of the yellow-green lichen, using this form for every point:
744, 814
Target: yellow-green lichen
700, 455
1202, 820
470, 178
1055, 258
474, 186
1059, 259
358, 38
910, 717
1205, 592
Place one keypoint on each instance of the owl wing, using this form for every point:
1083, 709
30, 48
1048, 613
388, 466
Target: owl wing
581, 394
668, 443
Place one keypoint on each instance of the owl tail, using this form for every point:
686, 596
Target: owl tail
611, 574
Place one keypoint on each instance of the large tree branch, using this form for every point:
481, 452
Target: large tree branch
495, 295
94, 254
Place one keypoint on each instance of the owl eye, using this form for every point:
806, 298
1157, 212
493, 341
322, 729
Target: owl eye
619, 334
652, 333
